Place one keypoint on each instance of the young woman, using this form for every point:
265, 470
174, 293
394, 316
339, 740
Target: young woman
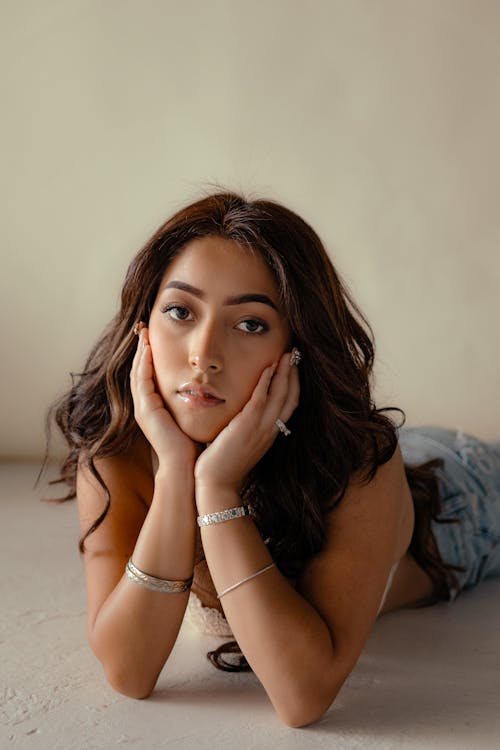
223, 439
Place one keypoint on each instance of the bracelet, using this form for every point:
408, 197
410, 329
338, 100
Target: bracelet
156, 584
223, 515
244, 580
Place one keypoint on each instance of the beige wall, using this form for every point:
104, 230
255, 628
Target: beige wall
377, 121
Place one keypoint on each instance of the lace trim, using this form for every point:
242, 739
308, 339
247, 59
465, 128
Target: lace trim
206, 619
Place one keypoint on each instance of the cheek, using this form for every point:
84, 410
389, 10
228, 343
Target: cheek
164, 358
162, 345
246, 379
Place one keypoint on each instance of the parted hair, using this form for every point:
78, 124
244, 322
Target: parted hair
337, 431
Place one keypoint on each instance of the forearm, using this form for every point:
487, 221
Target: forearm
285, 641
136, 628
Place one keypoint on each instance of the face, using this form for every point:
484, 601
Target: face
215, 326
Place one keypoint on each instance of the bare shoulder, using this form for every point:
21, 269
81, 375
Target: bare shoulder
366, 533
126, 475
379, 511
128, 478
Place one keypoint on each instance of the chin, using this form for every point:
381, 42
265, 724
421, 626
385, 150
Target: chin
198, 432
199, 436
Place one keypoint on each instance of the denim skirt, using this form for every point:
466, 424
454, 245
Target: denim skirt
469, 484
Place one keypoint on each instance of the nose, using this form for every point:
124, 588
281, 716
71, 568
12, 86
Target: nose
203, 364
205, 352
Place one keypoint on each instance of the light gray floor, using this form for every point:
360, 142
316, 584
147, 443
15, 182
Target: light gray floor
427, 678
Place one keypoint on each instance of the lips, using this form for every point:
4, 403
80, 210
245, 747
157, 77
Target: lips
202, 391
197, 395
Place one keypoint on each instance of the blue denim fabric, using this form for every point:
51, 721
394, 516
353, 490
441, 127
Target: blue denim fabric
469, 485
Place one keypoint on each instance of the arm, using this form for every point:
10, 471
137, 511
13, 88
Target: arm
303, 644
132, 629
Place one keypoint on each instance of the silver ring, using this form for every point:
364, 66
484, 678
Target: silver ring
295, 356
282, 427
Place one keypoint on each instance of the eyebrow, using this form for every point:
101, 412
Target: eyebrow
238, 299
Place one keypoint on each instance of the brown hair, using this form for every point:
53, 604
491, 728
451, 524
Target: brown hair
336, 430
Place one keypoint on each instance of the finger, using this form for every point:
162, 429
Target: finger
141, 373
135, 361
293, 396
286, 393
279, 390
259, 396
145, 370
279, 383
141, 338
144, 334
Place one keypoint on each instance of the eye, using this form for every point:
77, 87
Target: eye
176, 312
254, 326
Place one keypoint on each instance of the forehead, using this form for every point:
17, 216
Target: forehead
216, 263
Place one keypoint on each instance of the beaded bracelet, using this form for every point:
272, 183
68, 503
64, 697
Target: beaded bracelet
156, 584
223, 515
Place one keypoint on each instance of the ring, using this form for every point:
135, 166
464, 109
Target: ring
283, 428
138, 327
295, 356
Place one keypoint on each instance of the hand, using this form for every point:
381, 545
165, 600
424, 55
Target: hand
241, 444
172, 446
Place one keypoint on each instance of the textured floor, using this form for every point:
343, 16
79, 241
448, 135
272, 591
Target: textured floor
427, 678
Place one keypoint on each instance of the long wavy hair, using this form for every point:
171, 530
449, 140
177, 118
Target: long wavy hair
337, 430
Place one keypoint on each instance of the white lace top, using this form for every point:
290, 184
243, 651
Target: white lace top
207, 619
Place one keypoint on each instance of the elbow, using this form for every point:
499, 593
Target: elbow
124, 675
131, 688
308, 705
303, 716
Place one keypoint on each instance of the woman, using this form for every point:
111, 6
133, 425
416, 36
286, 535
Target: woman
223, 428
